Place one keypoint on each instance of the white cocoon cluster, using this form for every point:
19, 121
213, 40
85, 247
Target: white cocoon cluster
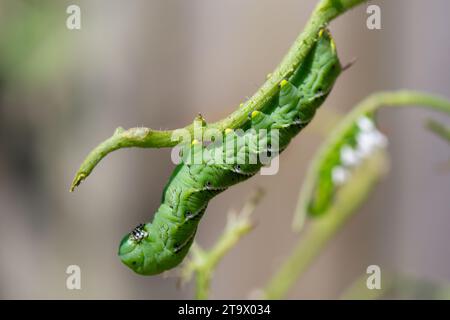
339, 175
365, 124
368, 140
349, 157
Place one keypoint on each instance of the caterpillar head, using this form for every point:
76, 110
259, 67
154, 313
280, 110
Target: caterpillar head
144, 251
132, 248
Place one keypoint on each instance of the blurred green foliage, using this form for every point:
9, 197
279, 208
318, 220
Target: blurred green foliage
31, 40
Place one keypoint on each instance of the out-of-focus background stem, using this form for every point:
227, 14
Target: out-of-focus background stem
319, 232
202, 263
439, 129
351, 196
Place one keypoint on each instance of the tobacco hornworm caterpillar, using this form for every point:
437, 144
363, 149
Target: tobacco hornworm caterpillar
162, 244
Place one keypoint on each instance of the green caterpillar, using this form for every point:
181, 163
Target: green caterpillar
162, 244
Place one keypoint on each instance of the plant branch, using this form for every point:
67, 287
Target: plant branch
439, 129
358, 290
350, 196
203, 263
325, 11
321, 230
402, 98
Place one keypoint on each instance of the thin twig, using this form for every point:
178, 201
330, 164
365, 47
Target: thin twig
203, 263
359, 290
325, 11
351, 196
439, 129
402, 98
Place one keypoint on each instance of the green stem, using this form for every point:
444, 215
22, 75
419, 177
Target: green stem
351, 196
358, 290
439, 129
203, 262
402, 98
210, 259
203, 283
325, 11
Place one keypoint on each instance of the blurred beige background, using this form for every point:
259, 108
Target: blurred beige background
159, 63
